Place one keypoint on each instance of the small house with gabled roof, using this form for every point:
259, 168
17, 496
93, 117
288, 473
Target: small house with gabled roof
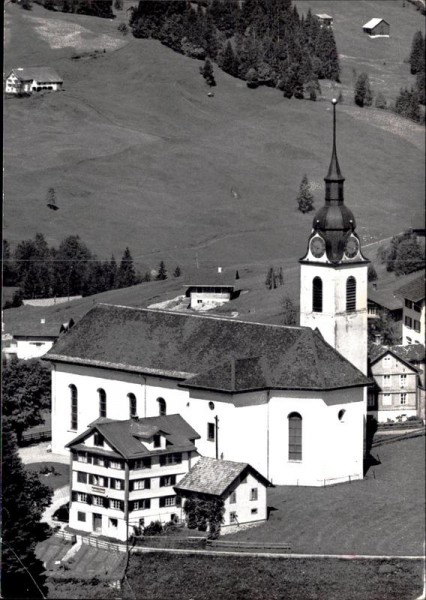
123, 472
325, 20
207, 288
26, 80
241, 488
377, 28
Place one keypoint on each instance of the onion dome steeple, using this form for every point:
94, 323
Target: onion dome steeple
334, 220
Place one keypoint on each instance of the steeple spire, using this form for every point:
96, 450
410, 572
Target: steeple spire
334, 178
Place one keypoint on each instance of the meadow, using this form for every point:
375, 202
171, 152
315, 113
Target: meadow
139, 155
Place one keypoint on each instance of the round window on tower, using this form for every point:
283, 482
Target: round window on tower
341, 415
211, 405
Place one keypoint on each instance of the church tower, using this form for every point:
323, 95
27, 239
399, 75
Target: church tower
333, 273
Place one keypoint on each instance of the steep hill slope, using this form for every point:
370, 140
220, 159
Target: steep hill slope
140, 156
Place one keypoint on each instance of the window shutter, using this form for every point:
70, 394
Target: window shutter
162, 460
106, 503
74, 497
106, 462
147, 484
178, 501
148, 503
162, 502
173, 479
91, 479
131, 486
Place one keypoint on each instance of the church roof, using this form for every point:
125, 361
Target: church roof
214, 477
205, 352
126, 437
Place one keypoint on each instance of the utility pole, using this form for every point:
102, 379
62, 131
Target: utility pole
217, 435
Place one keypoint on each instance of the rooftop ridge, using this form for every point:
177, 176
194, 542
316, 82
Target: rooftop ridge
203, 316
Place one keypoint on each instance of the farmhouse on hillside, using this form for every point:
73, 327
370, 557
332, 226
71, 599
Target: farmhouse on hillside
241, 488
26, 80
32, 340
207, 288
123, 473
325, 20
289, 400
377, 28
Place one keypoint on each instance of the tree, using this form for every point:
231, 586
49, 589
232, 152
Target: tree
407, 104
204, 513
270, 279
113, 270
70, 266
417, 55
27, 4
26, 392
126, 275
162, 272
177, 272
305, 199
362, 93
237, 275
207, 73
384, 326
24, 500
381, 101
227, 60
118, 4
409, 257
371, 273
289, 313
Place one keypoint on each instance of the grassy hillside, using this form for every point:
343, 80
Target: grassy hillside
140, 156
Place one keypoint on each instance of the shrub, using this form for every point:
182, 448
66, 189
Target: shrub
381, 101
154, 528
123, 28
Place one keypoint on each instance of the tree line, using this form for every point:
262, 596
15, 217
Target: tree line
71, 269
265, 41
403, 254
408, 102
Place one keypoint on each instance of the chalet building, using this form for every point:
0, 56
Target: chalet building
32, 340
325, 20
123, 473
289, 400
26, 80
207, 289
242, 489
377, 28
397, 390
413, 326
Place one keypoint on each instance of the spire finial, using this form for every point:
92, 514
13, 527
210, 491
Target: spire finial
334, 178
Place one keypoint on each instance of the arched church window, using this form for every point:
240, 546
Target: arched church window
317, 294
294, 436
351, 293
162, 407
102, 403
74, 407
132, 405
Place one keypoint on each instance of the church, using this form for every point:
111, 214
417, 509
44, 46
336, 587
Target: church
289, 400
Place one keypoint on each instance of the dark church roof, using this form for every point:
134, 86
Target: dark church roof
205, 352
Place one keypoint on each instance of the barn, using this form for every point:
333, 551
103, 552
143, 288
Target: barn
26, 80
377, 28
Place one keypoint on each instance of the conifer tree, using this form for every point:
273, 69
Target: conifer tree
177, 272
162, 271
362, 92
417, 55
305, 199
207, 73
289, 314
228, 61
126, 275
24, 500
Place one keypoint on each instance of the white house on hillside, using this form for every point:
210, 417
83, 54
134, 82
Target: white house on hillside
413, 325
290, 401
123, 473
207, 288
26, 80
242, 489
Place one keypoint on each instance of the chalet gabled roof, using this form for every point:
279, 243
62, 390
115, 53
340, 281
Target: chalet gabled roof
414, 290
214, 477
209, 278
185, 346
376, 355
44, 74
126, 437
373, 23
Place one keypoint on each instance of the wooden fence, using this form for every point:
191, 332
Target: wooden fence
65, 535
103, 544
239, 545
171, 542
40, 436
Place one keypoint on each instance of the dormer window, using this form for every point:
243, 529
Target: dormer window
157, 441
98, 439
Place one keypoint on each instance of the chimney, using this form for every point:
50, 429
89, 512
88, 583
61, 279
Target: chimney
374, 284
219, 269
377, 339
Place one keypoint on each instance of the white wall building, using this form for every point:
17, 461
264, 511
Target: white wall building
123, 473
413, 318
208, 289
290, 401
26, 80
242, 489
